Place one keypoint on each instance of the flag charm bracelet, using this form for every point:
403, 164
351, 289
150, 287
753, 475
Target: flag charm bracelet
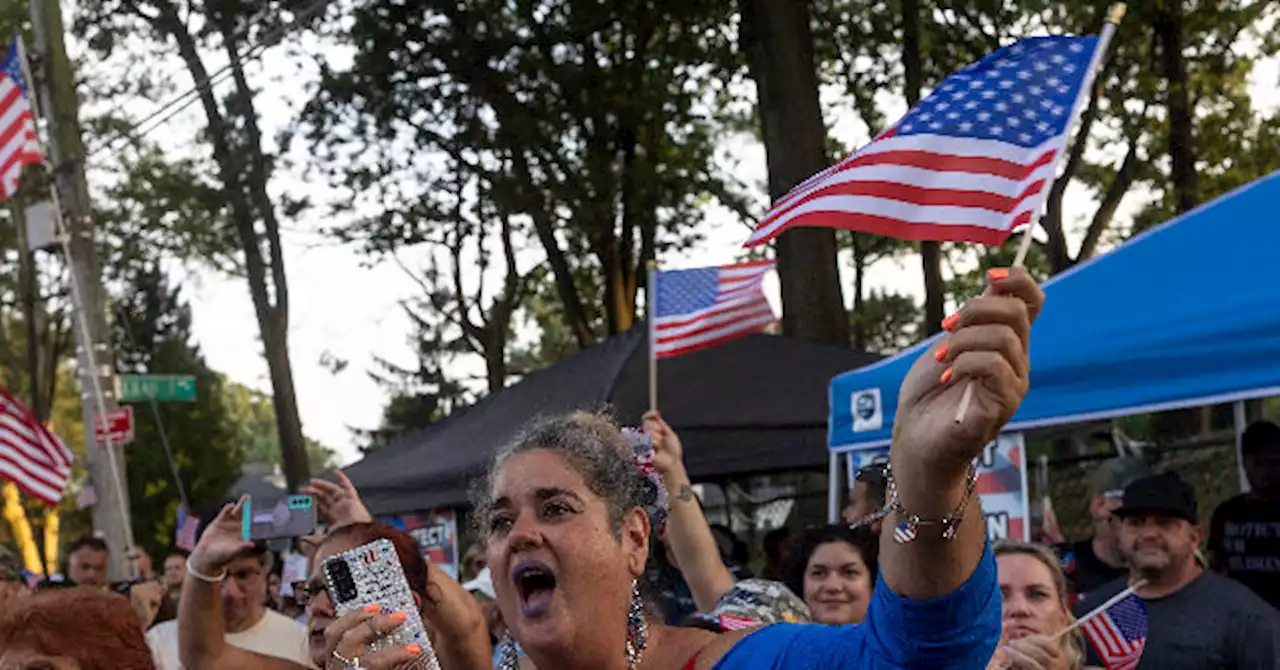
908, 528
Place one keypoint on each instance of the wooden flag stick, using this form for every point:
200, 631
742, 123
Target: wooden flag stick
651, 295
1133, 588
1114, 15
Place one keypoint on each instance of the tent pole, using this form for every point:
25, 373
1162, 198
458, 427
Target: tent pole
833, 487
1237, 412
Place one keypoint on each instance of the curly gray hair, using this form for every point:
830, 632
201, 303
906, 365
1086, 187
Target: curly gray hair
594, 447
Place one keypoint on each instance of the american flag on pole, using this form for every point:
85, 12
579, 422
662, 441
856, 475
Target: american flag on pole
1119, 633
31, 456
699, 308
19, 145
969, 163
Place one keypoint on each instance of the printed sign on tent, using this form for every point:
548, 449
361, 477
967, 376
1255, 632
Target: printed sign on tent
436, 532
1002, 484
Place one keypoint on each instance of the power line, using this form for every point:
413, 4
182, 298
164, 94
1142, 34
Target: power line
178, 103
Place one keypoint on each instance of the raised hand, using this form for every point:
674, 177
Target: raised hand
338, 504
347, 643
222, 541
668, 453
1034, 652
987, 346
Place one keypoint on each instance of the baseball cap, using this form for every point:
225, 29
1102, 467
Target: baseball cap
482, 584
1166, 493
1114, 475
751, 603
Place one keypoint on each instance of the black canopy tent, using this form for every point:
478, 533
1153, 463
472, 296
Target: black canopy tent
757, 404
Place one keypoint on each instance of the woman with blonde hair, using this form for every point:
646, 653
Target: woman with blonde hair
1034, 611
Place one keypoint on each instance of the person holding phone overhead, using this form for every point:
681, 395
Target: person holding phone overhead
330, 641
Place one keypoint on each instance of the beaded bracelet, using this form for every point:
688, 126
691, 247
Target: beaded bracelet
908, 529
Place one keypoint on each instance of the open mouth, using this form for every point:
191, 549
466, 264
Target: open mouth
535, 585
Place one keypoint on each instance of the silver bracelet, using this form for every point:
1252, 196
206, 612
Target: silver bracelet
203, 577
908, 529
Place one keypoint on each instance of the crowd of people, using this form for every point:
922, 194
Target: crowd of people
580, 566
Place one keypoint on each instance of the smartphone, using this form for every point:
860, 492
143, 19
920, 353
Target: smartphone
371, 574
274, 519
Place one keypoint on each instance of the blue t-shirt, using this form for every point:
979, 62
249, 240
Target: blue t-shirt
958, 630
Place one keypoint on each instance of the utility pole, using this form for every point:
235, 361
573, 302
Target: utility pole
55, 80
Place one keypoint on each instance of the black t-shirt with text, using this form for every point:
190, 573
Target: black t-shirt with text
1244, 538
1085, 571
1213, 623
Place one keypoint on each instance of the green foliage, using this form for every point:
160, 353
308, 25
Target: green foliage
152, 335
252, 422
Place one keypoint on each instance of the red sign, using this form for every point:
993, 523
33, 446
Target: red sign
119, 422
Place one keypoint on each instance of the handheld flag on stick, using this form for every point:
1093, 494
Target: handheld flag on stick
30, 455
1117, 629
690, 310
19, 145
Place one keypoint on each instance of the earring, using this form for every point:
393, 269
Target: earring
637, 627
508, 657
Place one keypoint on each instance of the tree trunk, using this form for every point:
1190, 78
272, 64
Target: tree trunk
859, 270
1168, 28
778, 41
930, 252
273, 331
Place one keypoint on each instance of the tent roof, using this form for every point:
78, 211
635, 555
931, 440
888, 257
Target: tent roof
751, 405
1186, 314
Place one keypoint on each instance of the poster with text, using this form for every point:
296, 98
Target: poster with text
436, 532
1002, 484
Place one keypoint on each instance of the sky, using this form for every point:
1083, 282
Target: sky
345, 308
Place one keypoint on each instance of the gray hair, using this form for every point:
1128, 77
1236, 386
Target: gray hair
594, 447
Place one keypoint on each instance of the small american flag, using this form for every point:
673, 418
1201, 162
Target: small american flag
185, 537
1119, 633
699, 308
30, 455
968, 163
904, 533
18, 143
730, 622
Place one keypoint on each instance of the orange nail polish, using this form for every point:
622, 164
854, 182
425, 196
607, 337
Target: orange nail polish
941, 354
951, 321
996, 274
372, 608
946, 375
413, 649
399, 616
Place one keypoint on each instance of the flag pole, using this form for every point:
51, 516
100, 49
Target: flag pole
1133, 588
1115, 14
651, 293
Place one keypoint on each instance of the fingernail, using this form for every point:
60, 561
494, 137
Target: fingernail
951, 321
413, 649
946, 375
996, 274
372, 608
941, 354
399, 616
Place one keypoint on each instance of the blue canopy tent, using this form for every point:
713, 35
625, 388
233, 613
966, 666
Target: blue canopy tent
1183, 315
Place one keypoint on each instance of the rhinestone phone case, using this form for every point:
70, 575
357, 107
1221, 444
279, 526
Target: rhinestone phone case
376, 577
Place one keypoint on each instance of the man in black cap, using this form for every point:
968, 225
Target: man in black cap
1092, 562
1244, 536
1197, 619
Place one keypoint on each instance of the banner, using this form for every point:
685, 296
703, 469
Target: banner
436, 532
1002, 484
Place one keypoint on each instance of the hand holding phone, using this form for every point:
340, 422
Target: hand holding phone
371, 575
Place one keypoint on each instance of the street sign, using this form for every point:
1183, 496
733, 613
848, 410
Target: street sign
165, 388
119, 422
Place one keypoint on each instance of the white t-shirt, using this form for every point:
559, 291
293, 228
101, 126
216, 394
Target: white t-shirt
275, 635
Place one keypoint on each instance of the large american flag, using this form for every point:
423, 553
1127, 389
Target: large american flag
1119, 633
699, 308
970, 162
30, 455
19, 145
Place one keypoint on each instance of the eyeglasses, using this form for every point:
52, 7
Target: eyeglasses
305, 591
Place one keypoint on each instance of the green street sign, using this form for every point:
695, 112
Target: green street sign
167, 388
